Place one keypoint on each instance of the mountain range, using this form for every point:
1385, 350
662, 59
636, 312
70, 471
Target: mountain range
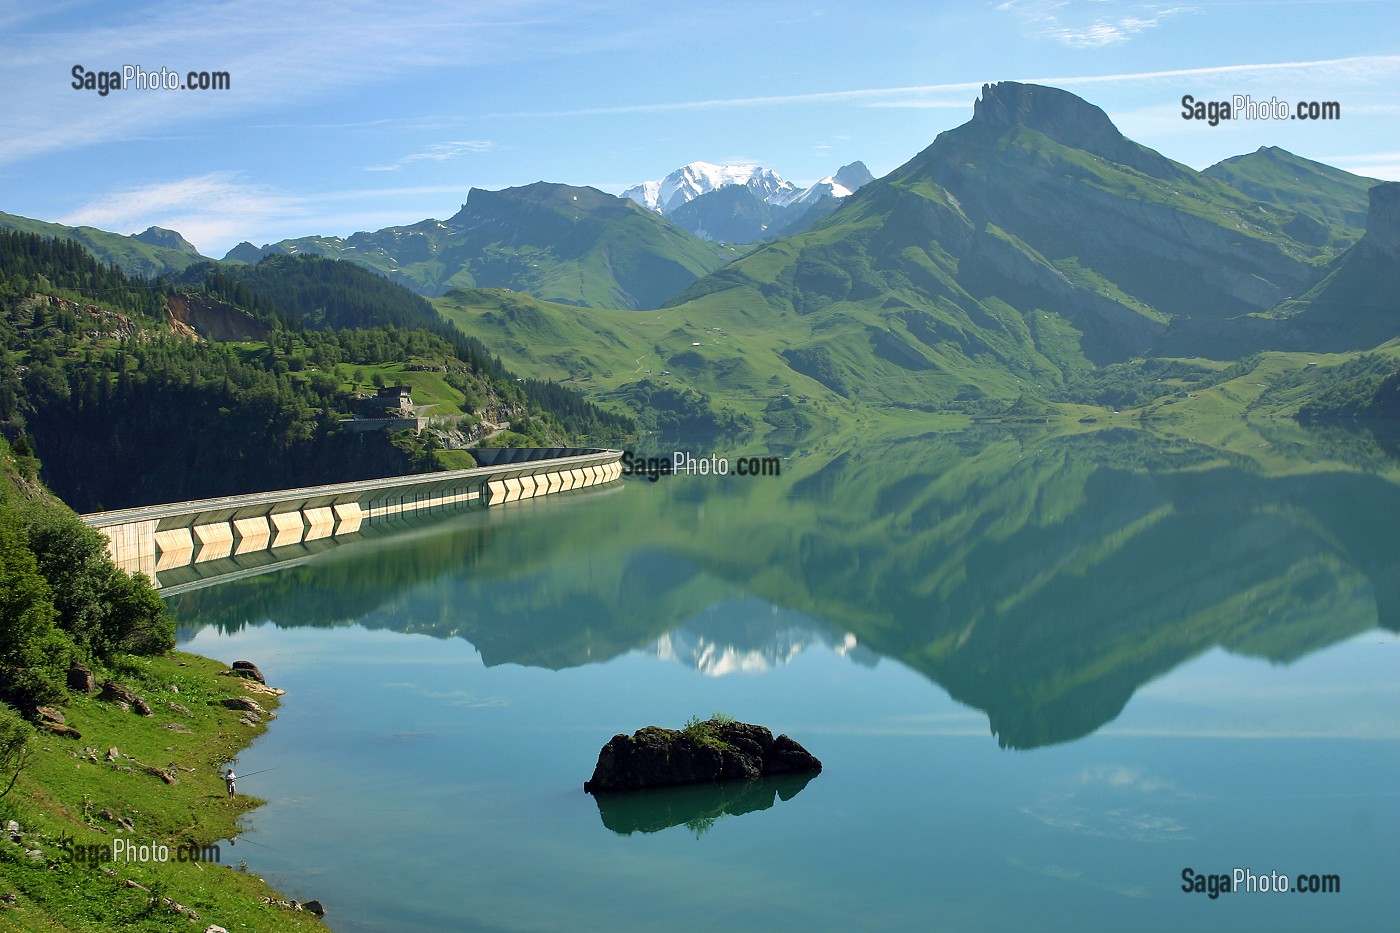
1015, 256
744, 203
1018, 253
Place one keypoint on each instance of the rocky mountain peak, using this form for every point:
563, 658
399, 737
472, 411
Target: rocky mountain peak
1383, 219
166, 239
853, 176
1068, 120
244, 252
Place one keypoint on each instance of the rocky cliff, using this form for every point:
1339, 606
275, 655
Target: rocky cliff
1383, 221
213, 319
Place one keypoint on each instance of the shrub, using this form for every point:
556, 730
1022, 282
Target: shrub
14, 748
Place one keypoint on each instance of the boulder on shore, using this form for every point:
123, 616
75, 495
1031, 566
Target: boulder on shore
249, 670
715, 750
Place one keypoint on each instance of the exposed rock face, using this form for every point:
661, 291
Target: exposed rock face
214, 319
1383, 219
716, 751
853, 176
1067, 119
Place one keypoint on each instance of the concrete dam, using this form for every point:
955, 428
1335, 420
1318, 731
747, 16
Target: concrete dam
181, 545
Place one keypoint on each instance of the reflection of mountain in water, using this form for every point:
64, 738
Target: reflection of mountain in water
750, 635
1040, 579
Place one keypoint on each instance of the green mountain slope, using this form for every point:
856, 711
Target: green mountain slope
557, 242
1356, 305
141, 255
96, 367
1016, 253
1329, 204
1054, 171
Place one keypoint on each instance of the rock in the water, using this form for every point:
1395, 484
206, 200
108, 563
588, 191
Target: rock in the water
314, 907
249, 670
709, 751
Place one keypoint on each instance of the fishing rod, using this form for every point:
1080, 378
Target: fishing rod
240, 777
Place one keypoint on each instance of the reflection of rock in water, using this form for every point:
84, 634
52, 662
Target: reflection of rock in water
696, 806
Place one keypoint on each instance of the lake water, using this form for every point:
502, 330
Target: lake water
1045, 675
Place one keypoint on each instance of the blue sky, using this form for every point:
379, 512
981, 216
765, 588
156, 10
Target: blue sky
357, 115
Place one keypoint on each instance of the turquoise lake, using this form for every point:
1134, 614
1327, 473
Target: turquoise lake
1044, 676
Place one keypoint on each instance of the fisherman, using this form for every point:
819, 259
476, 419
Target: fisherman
229, 778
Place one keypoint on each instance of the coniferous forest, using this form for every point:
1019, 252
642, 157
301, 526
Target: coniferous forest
95, 361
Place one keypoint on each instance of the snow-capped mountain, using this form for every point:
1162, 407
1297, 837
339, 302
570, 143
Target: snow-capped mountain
690, 181
743, 203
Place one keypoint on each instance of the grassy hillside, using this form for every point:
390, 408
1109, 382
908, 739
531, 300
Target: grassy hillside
556, 242
1329, 204
80, 773
1020, 257
127, 253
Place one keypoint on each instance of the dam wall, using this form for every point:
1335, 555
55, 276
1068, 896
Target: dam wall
164, 539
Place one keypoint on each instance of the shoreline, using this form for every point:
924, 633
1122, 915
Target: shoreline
148, 787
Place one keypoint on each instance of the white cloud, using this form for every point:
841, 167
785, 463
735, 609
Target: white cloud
276, 56
1369, 69
203, 208
437, 152
215, 211
1069, 24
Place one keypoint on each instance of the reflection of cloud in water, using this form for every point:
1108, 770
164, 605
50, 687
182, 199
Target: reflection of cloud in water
752, 635
1115, 802
453, 697
1075, 876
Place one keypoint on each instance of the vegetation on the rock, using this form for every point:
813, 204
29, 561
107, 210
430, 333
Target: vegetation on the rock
710, 750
